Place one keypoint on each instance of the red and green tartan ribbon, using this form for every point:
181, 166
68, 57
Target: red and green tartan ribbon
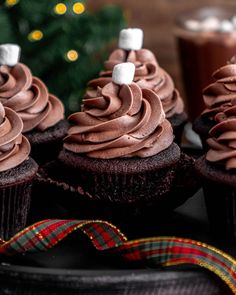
165, 251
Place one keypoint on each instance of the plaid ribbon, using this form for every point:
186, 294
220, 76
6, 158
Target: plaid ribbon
165, 251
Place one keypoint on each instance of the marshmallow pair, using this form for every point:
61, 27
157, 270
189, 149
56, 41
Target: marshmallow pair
129, 39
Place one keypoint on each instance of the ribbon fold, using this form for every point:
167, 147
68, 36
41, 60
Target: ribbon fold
164, 251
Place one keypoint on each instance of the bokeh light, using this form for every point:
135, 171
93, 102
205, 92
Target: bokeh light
35, 35
78, 8
72, 55
60, 8
11, 2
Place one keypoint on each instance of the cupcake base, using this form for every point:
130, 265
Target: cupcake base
219, 189
123, 180
140, 216
45, 145
178, 122
15, 196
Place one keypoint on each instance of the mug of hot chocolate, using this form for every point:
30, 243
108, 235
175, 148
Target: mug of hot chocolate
206, 40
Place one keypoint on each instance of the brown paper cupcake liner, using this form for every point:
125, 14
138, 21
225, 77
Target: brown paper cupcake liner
15, 205
15, 196
68, 201
219, 188
121, 180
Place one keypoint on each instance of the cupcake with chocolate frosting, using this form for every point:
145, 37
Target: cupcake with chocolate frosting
218, 97
217, 170
120, 146
41, 112
119, 161
17, 171
148, 74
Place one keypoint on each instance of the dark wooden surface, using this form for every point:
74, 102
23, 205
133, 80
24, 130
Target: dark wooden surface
156, 18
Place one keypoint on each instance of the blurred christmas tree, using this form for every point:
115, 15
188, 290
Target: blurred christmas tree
62, 43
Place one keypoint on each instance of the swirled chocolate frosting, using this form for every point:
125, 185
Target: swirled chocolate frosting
148, 74
119, 121
29, 97
221, 94
14, 147
222, 141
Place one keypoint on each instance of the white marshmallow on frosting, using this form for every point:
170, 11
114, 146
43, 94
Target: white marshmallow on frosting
131, 39
9, 54
123, 73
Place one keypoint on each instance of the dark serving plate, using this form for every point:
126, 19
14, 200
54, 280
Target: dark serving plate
75, 267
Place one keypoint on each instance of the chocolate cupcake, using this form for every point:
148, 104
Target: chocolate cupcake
121, 146
17, 171
42, 113
218, 96
148, 74
119, 162
217, 170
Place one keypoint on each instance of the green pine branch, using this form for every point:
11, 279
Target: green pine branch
90, 34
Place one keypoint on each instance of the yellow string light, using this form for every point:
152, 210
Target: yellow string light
11, 2
78, 8
60, 8
35, 35
72, 55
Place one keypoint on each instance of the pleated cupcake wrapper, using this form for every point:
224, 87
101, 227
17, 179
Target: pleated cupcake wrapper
129, 188
221, 208
14, 208
117, 188
156, 251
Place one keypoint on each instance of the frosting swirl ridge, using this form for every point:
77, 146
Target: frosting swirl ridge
222, 142
14, 147
119, 121
221, 94
29, 97
148, 74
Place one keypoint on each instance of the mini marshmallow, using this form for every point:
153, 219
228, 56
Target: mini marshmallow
9, 54
123, 73
210, 24
226, 26
193, 25
131, 39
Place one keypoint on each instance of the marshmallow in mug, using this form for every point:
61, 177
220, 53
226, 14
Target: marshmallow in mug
226, 26
211, 24
9, 54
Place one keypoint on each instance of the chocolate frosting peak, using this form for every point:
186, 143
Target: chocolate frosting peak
29, 97
14, 147
220, 101
221, 94
148, 74
119, 121
222, 142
